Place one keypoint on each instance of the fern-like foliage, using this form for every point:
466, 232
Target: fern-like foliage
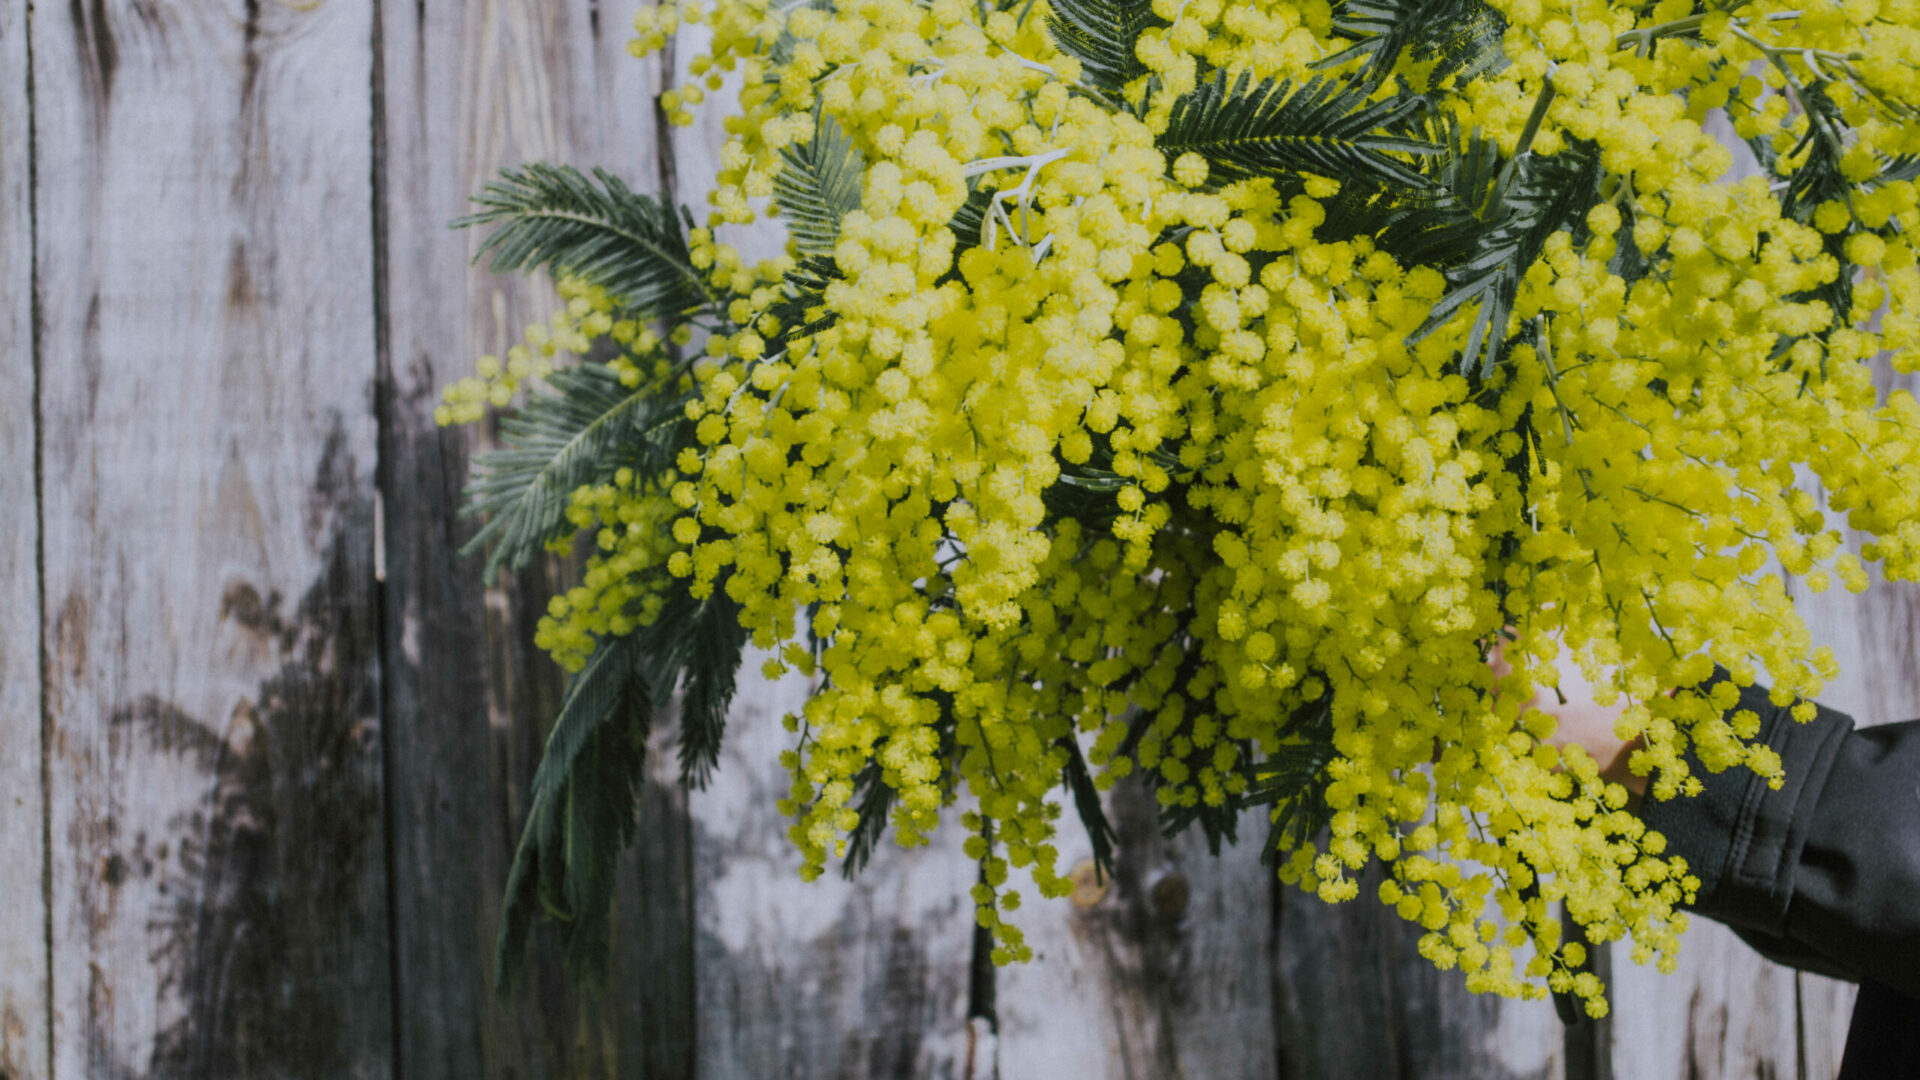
1086, 804
1537, 197
801, 307
1460, 37
818, 185
1904, 167
583, 813
873, 801
554, 216
1294, 781
1437, 224
714, 641
780, 55
968, 223
1324, 127
582, 816
1478, 217
1102, 35
1817, 181
582, 429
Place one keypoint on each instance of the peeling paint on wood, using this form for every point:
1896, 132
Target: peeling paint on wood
218, 868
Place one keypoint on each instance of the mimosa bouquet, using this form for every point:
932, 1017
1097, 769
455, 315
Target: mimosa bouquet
1201, 390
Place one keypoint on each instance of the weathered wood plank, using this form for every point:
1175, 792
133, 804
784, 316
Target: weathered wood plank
1725, 1012
23, 911
470, 88
1355, 1000
1166, 970
860, 980
1825, 1007
207, 338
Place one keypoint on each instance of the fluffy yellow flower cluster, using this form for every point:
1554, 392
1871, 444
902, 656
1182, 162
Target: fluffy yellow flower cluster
1093, 441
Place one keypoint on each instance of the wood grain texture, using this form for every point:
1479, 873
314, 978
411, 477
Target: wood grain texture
1166, 970
209, 442
860, 980
1825, 1007
1356, 1000
23, 911
1724, 1013
469, 88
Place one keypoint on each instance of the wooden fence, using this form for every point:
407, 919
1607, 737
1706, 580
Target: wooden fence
265, 739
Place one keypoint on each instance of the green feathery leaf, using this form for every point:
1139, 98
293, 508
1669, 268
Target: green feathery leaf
1544, 196
801, 307
1294, 780
581, 817
780, 55
1461, 37
1904, 167
817, 186
1102, 35
968, 223
1086, 803
1324, 127
580, 431
716, 639
634, 246
1817, 181
601, 821
875, 804
1437, 225
694, 644
583, 792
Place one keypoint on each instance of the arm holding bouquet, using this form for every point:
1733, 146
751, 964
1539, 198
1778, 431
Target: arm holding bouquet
1821, 873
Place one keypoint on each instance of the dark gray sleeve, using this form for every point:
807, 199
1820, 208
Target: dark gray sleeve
1823, 874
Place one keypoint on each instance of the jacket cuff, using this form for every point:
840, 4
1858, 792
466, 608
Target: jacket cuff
1741, 838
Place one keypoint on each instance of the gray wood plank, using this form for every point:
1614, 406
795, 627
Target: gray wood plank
204, 240
23, 911
1825, 1008
1166, 970
1356, 1000
1724, 1013
468, 89
860, 980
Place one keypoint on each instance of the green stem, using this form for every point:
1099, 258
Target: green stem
1522, 148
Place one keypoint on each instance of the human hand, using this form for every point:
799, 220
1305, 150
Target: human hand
1581, 721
